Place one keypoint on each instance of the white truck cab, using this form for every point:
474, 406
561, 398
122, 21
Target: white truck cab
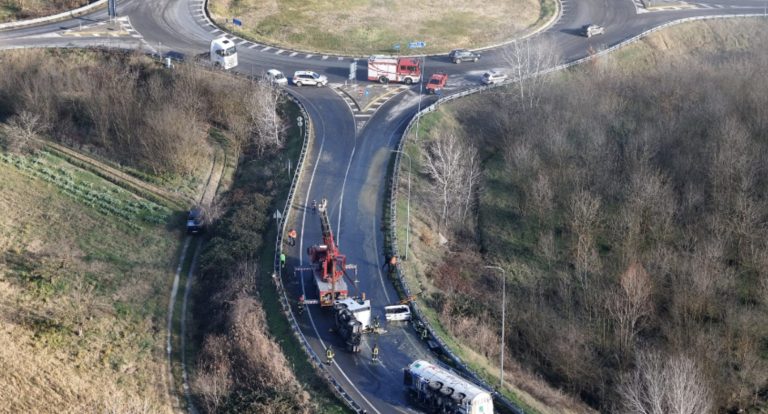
223, 53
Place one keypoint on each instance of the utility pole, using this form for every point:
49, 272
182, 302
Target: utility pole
112, 8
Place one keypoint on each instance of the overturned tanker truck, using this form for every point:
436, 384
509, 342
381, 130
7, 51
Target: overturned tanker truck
441, 391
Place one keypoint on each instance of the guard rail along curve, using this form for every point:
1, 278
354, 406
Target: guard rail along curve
394, 181
277, 278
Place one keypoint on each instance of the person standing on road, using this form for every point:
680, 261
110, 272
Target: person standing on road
314, 206
292, 237
329, 355
301, 304
282, 260
375, 353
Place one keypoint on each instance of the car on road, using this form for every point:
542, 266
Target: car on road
492, 77
307, 77
276, 77
463, 55
195, 223
592, 30
437, 82
397, 313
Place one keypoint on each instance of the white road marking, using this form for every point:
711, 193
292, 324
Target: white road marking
279, 52
325, 57
266, 48
301, 262
293, 54
308, 56
253, 46
340, 58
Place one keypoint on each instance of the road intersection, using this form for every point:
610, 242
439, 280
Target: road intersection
347, 162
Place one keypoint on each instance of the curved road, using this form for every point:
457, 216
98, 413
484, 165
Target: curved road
346, 164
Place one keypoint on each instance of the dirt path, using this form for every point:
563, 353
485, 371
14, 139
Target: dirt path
120, 178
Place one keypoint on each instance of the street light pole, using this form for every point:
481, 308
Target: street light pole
408, 219
503, 314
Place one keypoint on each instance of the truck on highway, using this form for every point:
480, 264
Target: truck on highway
328, 264
439, 390
223, 53
385, 69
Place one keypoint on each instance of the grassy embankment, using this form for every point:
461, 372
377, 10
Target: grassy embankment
373, 26
12, 10
510, 235
84, 275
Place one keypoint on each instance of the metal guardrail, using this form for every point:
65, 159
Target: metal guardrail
394, 183
277, 278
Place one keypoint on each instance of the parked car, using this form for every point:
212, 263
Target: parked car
463, 55
437, 82
195, 223
592, 30
492, 77
307, 77
276, 77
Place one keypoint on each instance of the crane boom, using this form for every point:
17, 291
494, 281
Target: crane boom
327, 262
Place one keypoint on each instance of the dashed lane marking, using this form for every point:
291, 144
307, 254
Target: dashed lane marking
266, 48
279, 52
293, 54
325, 57
308, 56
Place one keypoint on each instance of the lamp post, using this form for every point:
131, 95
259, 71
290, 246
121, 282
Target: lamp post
503, 313
408, 219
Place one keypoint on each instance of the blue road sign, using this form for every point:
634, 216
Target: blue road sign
237, 22
416, 45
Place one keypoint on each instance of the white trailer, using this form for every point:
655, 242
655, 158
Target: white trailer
223, 53
440, 390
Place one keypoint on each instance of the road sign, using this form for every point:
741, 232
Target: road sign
353, 70
396, 46
416, 45
237, 22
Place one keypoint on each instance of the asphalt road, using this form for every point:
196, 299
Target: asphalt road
347, 165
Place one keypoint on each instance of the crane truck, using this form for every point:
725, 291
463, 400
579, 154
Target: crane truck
328, 264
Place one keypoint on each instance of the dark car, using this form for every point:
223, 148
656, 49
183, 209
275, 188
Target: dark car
195, 222
463, 55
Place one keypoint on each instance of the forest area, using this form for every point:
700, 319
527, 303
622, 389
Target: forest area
84, 289
627, 202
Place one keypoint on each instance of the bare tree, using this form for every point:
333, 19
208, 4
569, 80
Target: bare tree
528, 59
673, 385
267, 124
455, 171
631, 303
22, 131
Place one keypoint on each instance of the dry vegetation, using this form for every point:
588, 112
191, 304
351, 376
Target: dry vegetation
373, 26
86, 267
11, 10
628, 206
81, 303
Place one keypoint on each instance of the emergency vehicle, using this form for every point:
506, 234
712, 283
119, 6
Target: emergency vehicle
441, 391
385, 69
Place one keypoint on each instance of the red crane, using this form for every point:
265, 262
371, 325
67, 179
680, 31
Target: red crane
328, 264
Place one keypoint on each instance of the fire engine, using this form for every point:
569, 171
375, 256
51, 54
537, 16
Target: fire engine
385, 69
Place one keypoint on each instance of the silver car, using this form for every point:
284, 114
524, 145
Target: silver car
492, 77
276, 77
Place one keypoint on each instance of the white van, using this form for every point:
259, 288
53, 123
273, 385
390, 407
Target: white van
397, 313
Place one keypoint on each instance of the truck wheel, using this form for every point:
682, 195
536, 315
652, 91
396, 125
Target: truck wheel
408, 81
475, 60
383, 80
318, 84
457, 61
298, 83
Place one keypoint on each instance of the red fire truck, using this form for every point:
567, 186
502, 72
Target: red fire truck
387, 69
